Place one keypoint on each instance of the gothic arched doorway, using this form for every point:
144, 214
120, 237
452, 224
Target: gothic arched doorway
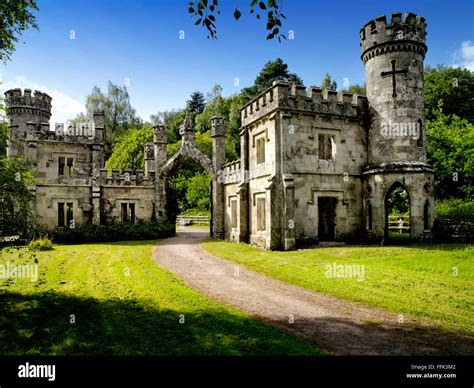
397, 214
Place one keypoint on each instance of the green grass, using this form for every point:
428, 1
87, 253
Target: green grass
414, 280
123, 304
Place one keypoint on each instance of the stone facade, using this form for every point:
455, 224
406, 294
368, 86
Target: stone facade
318, 165
73, 187
314, 166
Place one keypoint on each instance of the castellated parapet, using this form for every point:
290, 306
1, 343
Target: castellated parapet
312, 100
403, 33
126, 178
19, 102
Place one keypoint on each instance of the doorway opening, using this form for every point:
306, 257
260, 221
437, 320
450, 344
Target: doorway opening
327, 218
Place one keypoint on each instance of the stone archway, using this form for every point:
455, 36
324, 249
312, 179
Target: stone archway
404, 222
165, 167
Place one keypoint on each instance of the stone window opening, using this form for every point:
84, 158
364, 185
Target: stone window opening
233, 211
61, 163
419, 140
65, 214
65, 165
261, 221
426, 215
326, 147
128, 212
69, 166
260, 150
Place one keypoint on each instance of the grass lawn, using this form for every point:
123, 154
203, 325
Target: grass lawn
435, 283
122, 304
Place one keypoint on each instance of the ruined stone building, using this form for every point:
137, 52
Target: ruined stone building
314, 166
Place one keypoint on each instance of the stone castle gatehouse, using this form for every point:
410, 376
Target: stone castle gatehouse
314, 166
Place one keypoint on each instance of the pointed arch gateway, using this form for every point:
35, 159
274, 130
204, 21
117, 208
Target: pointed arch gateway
397, 205
188, 150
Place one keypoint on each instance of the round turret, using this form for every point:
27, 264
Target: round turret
393, 55
26, 111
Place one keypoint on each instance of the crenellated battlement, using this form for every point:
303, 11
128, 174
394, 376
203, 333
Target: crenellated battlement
126, 178
282, 95
231, 173
405, 32
37, 103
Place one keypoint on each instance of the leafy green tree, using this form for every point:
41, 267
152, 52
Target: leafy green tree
273, 70
120, 116
450, 149
215, 92
454, 87
15, 17
129, 150
3, 138
172, 120
218, 107
16, 216
196, 102
328, 83
198, 191
398, 202
357, 89
206, 12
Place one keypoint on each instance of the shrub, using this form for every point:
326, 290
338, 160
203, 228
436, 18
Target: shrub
454, 209
114, 232
41, 244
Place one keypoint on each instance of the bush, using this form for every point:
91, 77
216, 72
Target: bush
454, 209
114, 232
41, 244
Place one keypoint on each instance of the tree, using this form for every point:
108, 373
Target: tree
16, 216
215, 92
198, 191
454, 87
358, 89
196, 102
272, 71
15, 17
3, 138
129, 150
206, 11
450, 145
172, 120
120, 116
328, 83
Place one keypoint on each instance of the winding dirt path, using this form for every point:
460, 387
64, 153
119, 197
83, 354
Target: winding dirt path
338, 326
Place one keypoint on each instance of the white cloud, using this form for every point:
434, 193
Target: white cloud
464, 57
64, 106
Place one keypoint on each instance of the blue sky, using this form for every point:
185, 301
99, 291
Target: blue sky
139, 40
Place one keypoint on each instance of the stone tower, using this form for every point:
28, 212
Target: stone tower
28, 114
393, 54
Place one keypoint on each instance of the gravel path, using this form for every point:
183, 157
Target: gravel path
338, 326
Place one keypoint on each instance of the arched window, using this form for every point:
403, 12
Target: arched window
426, 215
419, 140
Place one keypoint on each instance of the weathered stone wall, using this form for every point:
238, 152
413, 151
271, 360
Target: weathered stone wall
48, 153
142, 196
454, 231
48, 196
293, 175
